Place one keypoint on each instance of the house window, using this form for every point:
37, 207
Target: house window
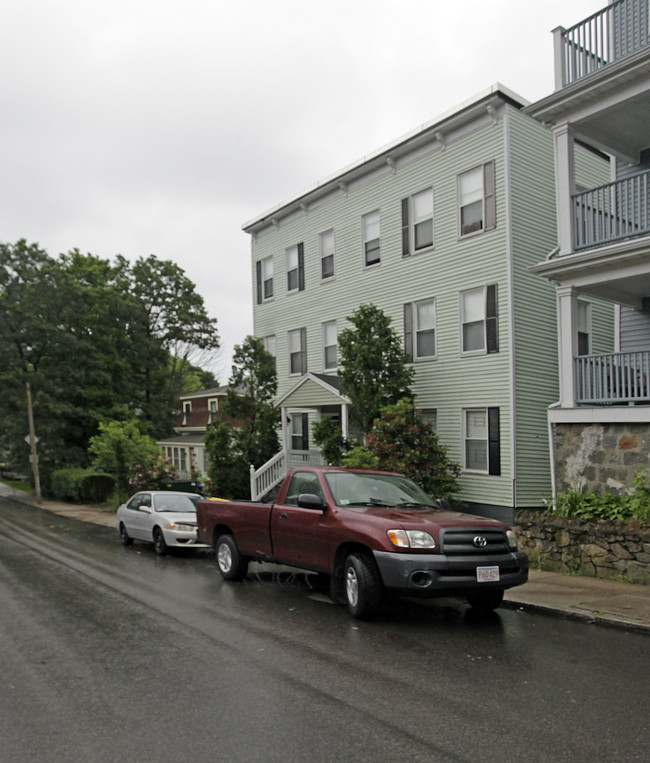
417, 222
584, 327
430, 416
371, 236
264, 279
420, 329
476, 200
482, 450
298, 351
214, 408
187, 409
183, 459
268, 342
327, 255
479, 319
299, 431
330, 345
295, 268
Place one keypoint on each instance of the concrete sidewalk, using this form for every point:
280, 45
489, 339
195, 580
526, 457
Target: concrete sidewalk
603, 602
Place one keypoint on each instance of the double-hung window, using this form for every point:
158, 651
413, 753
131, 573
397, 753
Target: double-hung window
476, 200
268, 343
417, 222
330, 346
298, 352
479, 319
213, 406
584, 327
264, 272
420, 329
481, 438
299, 431
295, 268
371, 238
327, 255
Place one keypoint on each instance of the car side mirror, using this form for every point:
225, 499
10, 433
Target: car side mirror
311, 501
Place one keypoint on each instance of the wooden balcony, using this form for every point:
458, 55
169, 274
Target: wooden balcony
620, 378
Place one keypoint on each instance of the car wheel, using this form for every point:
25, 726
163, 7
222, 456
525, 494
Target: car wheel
362, 586
485, 601
126, 539
232, 565
159, 545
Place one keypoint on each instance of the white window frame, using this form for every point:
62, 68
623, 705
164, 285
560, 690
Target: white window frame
327, 245
490, 339
266, 269
326, 327
213, 409
417, 330
370, 222
466, 439
414, 220
270, 345
295, 338
187, 409
293, 268
481, 194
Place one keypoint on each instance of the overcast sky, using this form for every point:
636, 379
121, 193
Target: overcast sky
160, 126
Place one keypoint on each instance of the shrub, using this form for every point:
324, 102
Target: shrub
580, 503
95, 487
81, 485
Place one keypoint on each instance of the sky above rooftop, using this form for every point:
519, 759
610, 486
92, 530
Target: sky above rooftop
140, 127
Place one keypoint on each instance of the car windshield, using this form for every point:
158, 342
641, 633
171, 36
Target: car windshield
175, 502
363, 489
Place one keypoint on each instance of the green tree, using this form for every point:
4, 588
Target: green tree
374, 371
133, 458
401, 441
249, 436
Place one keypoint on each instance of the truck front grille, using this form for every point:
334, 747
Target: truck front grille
469, 541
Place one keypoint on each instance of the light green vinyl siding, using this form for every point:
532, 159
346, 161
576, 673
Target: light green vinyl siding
452, 382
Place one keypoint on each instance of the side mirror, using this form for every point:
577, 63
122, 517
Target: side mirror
311, 501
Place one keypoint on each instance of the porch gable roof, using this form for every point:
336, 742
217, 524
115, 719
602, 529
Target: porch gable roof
314, 390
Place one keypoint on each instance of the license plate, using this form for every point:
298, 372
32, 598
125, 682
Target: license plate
487, 574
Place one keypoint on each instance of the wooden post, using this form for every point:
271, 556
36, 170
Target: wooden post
32, 444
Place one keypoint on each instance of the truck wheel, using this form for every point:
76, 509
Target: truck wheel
232, 565
485, 601
362, 586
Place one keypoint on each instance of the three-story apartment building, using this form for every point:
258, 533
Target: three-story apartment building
440, 230
601, 423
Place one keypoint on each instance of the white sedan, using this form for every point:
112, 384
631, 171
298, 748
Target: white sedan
161, 517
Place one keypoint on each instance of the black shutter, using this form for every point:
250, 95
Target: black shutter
258, 268
408, 329
305, 431
494, 442
491, 319
405, 228
301, 267
303, 351
490, 199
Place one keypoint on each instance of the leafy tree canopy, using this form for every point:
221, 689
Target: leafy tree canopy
374, 371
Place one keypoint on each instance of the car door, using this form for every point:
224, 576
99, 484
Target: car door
138, 516
301, 536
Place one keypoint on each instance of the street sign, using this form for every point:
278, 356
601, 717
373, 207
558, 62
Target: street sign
28, 439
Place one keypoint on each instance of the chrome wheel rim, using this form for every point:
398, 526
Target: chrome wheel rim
224, 558
351, 586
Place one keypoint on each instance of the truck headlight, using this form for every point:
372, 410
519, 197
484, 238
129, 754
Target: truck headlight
411, 539
512, 539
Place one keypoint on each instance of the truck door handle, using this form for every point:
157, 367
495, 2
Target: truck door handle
282, 515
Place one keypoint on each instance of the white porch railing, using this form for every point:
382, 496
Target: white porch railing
614, 379
612, 212
270, 474
608, 35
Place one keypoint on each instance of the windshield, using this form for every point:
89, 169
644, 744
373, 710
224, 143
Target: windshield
175, 502
361, 489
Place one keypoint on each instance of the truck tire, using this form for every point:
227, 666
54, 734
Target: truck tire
232, 565
485, 601
362, 586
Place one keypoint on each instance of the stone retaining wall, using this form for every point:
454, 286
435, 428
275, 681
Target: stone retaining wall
598, 549
603, 458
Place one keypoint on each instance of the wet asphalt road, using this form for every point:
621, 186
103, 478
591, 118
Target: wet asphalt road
114, 654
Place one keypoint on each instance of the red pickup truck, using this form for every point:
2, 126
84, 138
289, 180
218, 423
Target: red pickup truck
369, 531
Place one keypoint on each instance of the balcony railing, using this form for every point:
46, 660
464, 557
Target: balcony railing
614, 379
270, 474
612, 212
617, 31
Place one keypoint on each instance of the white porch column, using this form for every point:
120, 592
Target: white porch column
283, 415
567, 336
344, 420
565, 185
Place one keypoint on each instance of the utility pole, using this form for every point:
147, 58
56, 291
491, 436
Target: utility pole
33, 458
